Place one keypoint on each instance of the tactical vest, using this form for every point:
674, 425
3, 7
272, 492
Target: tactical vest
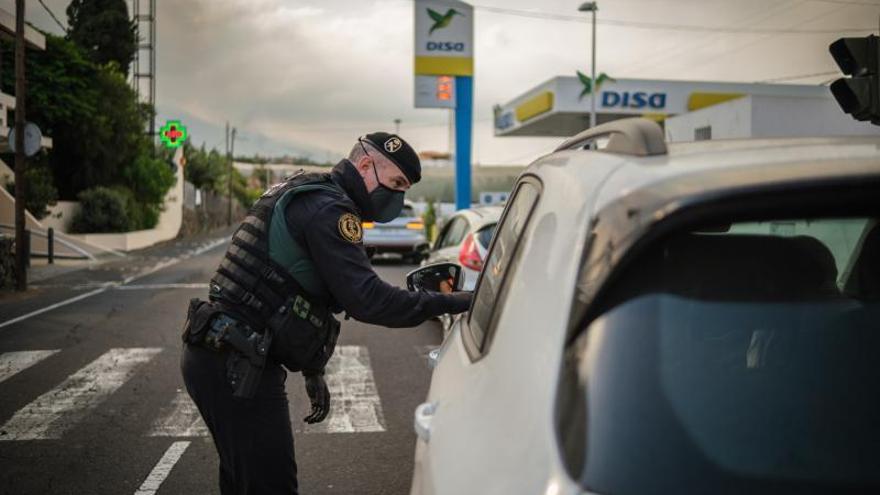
264, 265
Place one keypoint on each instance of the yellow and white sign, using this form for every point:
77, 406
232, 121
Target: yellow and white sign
444, 38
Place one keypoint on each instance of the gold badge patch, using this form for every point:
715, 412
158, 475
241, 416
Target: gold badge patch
350, 228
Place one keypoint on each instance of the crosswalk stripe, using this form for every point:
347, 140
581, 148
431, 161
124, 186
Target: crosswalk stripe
52, 413
162, 469
355, 406
13, 362
180, 419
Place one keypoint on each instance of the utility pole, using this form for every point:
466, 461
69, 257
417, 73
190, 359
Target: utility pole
397, 126
230, 156
21, 244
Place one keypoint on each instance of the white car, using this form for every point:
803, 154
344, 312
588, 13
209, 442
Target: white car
464, 239
654, 318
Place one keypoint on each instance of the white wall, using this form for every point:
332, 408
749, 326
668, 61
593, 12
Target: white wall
729, 120
769, 116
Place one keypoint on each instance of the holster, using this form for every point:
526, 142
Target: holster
198, 316
209, 327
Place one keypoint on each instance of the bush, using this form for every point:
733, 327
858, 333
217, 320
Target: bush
41, 192
103, 209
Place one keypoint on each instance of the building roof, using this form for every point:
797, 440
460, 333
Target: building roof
560, 106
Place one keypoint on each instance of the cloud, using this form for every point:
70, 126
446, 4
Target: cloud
315, 74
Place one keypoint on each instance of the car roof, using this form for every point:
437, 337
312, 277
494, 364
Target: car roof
709, 166
481, 215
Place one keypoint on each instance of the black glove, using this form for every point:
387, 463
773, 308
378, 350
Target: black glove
459, 302
319, 395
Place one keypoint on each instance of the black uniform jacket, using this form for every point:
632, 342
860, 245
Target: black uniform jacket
316, 220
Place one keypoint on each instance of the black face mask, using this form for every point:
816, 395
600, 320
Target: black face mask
385, 202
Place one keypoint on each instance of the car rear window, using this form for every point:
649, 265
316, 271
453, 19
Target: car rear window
407, 211
743, 359
484, 235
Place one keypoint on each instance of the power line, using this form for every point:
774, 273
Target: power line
52, 15
849, 2
668, 26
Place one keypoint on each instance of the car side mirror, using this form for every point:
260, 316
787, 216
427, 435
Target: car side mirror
429, 277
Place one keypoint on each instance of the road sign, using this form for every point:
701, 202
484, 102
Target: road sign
173, 134
444, 38
33, 139
435, 92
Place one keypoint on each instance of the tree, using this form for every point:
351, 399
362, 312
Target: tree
97, 127
104, 30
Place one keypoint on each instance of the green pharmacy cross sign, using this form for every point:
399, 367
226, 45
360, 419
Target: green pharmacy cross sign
173, 134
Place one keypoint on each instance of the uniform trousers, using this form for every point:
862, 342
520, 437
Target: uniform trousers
253, 436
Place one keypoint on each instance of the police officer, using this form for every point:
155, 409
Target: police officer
296, 259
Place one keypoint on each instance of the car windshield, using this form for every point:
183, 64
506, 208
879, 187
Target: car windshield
743, 358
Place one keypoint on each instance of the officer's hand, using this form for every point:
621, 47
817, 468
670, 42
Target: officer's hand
319, 395
446, 286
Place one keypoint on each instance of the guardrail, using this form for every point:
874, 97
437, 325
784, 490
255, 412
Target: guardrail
51, 239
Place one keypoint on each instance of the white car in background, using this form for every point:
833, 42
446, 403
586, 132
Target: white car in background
464, 239
651, 318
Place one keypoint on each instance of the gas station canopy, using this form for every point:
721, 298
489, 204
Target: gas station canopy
561, 105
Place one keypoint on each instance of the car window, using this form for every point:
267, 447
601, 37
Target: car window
735, 358
407, 211
455, 233
498, 262
484, 235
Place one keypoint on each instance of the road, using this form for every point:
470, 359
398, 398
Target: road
93, 402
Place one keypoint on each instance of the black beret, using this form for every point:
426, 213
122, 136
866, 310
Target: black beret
399, 152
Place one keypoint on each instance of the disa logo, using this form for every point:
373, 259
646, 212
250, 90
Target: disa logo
588, 83
635, 99
441, 20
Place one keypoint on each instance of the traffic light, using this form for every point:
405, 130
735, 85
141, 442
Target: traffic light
858, 95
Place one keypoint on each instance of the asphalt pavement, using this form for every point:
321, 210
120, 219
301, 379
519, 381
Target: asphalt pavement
93, 402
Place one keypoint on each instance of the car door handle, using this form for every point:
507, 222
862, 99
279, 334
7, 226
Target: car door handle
424, 414
433, 356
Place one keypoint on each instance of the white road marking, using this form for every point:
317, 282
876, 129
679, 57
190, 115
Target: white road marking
13, 362
161, 286
180, 419
206, 247
51, 307
355, 406
52, 413
162, 469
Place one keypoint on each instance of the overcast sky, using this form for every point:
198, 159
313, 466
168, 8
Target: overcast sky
312, 75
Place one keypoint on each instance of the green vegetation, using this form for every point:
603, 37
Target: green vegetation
78, 95
40, 191
104, 29
207, 170
429, 218
102, 209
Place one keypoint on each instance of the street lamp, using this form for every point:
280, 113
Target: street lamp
592, 7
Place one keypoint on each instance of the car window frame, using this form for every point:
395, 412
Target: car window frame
478, 350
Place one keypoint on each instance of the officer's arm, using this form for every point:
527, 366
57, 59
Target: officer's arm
341, 261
